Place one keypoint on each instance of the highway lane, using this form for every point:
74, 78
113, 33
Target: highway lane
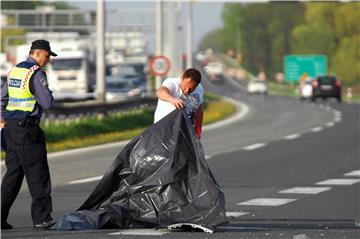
312, 156
268, 119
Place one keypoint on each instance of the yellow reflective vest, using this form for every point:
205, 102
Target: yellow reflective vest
20, 97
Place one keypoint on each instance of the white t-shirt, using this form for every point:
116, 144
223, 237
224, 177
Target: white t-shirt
192, 101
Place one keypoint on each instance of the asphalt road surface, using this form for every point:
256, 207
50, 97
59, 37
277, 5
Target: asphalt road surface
289, 169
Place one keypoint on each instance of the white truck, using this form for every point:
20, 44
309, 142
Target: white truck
69, 74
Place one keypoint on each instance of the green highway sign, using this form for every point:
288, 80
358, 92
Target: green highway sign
298, 65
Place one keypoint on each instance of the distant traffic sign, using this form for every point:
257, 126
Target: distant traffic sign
300, 65
159, 65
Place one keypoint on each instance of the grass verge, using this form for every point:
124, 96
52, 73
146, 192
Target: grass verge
118, 127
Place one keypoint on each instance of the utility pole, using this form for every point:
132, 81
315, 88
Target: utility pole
159, 36
100, 51
189, 63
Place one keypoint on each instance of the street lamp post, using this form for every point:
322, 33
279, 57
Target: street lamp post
100, 51
159, 36
189, 63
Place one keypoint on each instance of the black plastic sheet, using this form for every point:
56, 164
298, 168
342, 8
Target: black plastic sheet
160, 178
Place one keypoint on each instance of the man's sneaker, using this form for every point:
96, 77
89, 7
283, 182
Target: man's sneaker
6, 226
44, 225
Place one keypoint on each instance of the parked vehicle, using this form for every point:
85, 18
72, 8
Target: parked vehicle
70, 73
306, 89
118, 88
214, 68
256, 86
202, 58
326, 87
133, 72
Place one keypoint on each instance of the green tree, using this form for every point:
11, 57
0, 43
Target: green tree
261, 32
312, 39
332, 29
346, 61
211, 40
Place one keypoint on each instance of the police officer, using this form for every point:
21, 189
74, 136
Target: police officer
23, 100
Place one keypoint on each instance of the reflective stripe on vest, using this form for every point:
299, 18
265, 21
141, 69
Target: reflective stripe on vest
20, 97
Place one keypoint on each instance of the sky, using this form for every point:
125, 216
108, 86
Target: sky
206, 15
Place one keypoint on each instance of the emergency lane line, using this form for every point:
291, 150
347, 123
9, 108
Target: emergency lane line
316, 129
88, 149
86, 180
292, 136
254, 146
242, 111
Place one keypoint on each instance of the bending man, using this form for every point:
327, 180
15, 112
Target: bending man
185, 92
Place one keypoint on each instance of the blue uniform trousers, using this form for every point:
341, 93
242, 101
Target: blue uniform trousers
26, 155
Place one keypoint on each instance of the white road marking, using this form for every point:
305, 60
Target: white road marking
338, 181
292, 136
266, 202
306, 190
88, 149
86, 180
330, 124
236, 214
236, 227
353, 173
337, 113
254, 146
316, 129
337, 119
207, 157
140, 232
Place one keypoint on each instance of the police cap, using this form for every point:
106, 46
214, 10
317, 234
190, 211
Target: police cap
42, 44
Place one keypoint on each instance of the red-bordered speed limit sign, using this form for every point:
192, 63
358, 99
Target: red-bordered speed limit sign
159, 65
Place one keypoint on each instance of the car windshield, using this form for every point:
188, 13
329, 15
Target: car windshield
66, 64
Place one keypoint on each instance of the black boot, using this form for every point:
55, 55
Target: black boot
5, 226
45, 225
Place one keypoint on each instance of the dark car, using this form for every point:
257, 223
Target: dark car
326, 87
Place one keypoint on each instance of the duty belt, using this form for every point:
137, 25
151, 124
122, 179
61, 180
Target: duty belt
31, 122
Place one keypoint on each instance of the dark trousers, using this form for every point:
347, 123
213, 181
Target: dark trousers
26, 155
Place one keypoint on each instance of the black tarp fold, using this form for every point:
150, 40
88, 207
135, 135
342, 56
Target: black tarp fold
159, 178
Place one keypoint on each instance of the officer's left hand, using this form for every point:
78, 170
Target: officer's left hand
2, 123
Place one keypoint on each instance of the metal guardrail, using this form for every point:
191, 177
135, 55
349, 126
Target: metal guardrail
64, 111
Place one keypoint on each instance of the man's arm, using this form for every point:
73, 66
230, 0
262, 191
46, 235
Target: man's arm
163, 93
198, 120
